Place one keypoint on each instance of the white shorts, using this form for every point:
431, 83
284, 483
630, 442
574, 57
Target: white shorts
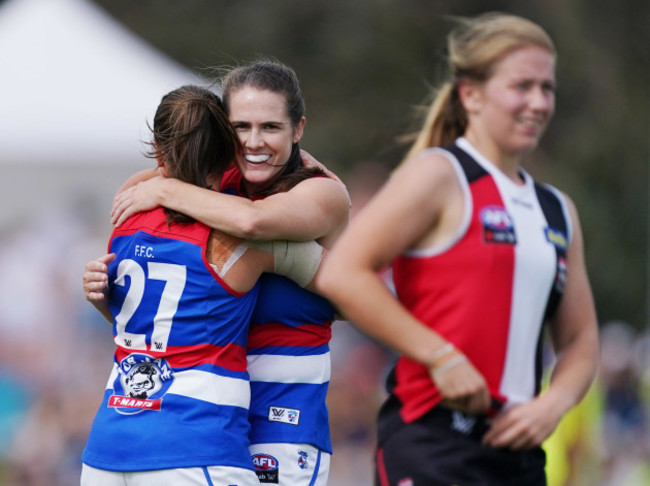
191, 476
290, 464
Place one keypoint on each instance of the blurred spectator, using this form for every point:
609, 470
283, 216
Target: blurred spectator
573, 450
49, 378
355, 393
625, 415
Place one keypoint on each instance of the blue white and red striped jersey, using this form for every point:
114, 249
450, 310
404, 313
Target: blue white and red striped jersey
288, 359
491, 289
289, 364
178, 394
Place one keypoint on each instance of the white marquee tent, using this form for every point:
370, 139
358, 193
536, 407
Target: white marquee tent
76, 92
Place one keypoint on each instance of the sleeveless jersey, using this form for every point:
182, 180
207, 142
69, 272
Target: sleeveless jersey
178, 394
288, 359
489, 291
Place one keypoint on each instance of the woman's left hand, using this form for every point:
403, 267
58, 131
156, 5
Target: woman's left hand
95, 278
309, 161
141, 197
523, 426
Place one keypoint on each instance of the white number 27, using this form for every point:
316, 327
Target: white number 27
174, 276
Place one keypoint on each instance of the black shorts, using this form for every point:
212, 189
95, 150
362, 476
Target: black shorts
443, 448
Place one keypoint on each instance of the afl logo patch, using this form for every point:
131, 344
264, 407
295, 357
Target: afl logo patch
498, 226
266, 467
141, 383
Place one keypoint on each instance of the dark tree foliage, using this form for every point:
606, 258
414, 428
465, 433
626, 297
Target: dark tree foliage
365, 65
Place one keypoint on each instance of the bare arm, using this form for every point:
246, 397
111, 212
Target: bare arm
141, 176
313, 209
574, 332
298, 261
240, 263
410, 209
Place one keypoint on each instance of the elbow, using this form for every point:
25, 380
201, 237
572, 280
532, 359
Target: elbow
248, 231
250, 227
590, 342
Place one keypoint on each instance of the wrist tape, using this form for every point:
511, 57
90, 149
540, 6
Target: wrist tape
297, 260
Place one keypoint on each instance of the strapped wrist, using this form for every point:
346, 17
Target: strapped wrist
445, 358
448, 364
439, 355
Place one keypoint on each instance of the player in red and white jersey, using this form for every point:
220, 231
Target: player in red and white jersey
482, 257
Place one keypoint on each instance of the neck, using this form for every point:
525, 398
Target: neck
508, 163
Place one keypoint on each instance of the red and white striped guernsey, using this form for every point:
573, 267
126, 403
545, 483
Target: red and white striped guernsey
490, 290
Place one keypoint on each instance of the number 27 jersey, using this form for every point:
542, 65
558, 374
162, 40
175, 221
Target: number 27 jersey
178, 394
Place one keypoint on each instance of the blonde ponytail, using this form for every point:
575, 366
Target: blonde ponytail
474, 48
446, 120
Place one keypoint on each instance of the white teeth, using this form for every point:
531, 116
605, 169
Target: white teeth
257, 159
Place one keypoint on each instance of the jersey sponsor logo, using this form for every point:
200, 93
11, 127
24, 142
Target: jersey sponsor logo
557, 238
141, 383
266, 467
285, 415
128, 402
498, 226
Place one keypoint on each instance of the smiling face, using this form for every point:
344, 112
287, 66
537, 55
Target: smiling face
262, 123
509, 112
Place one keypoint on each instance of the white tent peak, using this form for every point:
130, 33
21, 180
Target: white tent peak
77, 87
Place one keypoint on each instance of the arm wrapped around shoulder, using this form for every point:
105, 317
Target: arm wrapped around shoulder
297, 260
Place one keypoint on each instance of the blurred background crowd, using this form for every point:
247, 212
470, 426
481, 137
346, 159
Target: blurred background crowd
80, 80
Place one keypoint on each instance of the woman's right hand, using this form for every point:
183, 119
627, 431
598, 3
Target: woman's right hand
95, 277
461, 384
140, 197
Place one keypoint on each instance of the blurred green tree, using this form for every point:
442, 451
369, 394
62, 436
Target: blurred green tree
365, 65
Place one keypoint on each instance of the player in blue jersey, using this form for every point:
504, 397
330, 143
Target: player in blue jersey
288, 353
180, 295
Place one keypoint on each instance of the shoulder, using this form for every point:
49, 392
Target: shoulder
323, 189
322, 182
550, 195
427, 184
430, 168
